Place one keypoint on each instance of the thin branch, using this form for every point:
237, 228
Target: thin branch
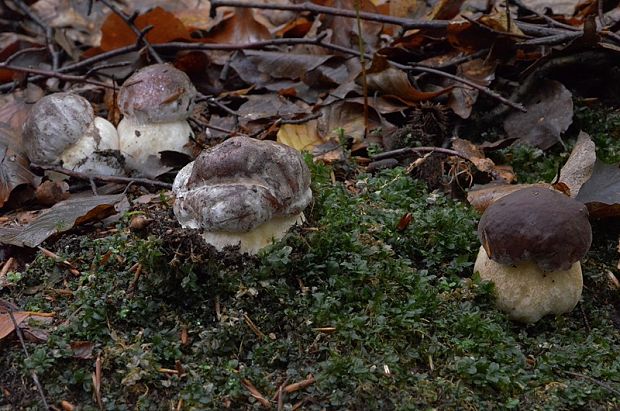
103, 179
48, 73
548, 19
332, 11
46, 29
407, 151
240, 46
139, 33
595, 381
33, 373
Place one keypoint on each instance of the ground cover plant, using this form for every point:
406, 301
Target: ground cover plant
412, 118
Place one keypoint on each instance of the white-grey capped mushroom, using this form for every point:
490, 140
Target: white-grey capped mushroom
155, 102
61, 128
243, 192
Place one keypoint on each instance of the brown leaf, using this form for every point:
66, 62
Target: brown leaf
14, 172
302, 137
549, 114
7, 326
52, 192
61, 217
395, 82
82, 350
166, 27
601, 193
462, 98
482, 196
241, 27
486, 165
579, 166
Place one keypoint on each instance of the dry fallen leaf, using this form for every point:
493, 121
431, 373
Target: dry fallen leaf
601, 193
549, 114
482, 196
579, 166
61, 217
302, 137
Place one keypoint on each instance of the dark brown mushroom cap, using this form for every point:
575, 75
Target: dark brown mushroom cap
156, 94
242, 183
536, 224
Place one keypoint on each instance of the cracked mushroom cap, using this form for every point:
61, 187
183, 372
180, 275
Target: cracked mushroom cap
240, 184
54, 123
156, 94
538, 225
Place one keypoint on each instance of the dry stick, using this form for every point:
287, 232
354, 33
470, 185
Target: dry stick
35, 377
46, 29
405, 23
548, 19
130, 22
315, 8
417, 150
48, 73
22, 51
595, 381
430, 70
104, 179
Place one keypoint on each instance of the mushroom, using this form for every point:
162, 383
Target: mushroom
61, 128
532, 241
243, 192
156, 102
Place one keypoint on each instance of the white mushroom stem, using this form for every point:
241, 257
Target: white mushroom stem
100, 136
253, 241
139, 142
526, 293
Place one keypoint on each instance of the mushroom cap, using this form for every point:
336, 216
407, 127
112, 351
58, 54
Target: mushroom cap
54, 123
240, 184
157, 93
538, 225
526, 293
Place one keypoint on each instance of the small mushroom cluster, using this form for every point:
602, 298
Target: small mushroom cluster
156, 101
243, 192
532, 241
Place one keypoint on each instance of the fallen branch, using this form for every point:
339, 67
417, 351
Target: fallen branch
103, 179
407, 151
54, 74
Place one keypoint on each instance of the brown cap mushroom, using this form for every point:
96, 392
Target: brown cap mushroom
62, 128
532, 241
243, 192
156, 102
536, 224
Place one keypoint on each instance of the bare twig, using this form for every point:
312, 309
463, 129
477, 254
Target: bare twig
48, 31
595, 381
104, 179
548, 19
315, 8
407, 151
300, 120
129, 20
33, 373
54, 74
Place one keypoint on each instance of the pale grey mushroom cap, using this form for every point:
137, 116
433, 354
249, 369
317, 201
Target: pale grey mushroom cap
54, 123
157, 94
241, 184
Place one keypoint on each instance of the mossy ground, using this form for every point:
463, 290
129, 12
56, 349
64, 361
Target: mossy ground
383, 318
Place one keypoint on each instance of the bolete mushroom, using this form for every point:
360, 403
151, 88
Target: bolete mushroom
155, 102
61, 128
243, 192
532, 241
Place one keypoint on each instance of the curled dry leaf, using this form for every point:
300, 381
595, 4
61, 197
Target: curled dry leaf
394, 82
52, 192
549, 114
579, 166
480, 197
486, 165
462, 98
601, 193
14, 171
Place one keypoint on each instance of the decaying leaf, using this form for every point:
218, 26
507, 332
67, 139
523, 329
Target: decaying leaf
462, 98
394, 82
82, 350
302, 137
579, 166
61, 217
482, 196
486, 165
549, 114
601, 193
7, 325
14, 172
